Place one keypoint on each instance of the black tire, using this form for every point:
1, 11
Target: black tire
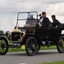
38, 48
60, 44
3, 46
31, 46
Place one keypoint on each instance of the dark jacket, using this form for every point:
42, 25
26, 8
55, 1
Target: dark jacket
56, 23
31, 22
46, 22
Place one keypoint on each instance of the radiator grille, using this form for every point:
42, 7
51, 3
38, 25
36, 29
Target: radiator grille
15, 36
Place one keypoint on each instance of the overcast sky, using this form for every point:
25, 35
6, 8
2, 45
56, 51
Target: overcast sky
9, 9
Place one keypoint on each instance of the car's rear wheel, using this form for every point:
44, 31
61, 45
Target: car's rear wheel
60, 44
31, 46
3, 46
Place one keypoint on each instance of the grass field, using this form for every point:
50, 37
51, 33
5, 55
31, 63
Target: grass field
47, 48
23, 48
60, 62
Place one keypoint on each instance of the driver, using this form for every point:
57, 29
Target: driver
44, 21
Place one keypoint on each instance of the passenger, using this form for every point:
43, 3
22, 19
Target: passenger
55, 22
31, 21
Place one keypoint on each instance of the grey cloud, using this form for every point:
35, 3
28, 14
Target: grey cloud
22, 5
42, 1
9, 9
52, 1
14, 6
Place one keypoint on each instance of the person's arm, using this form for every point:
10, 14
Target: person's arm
48, 22
58, 23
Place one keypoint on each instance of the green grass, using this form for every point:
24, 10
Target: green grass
42, 48
47, 48
15, 50
60, 62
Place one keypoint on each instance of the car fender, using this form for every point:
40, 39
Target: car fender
4, 38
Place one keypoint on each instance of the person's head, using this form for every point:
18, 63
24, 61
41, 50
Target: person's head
43, 14
30, 16
53, 17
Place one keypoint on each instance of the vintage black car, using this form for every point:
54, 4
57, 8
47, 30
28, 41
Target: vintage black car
31, 36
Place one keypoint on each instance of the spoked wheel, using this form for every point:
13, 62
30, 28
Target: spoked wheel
60, 44
38, 48
31, 46
3, 46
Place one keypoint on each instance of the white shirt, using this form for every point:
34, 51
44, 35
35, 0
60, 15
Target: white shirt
40, 22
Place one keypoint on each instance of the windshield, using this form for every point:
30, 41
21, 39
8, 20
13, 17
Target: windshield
26, 18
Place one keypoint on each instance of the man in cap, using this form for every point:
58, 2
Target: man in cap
31, 20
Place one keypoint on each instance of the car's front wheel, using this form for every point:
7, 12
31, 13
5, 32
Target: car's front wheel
3, 46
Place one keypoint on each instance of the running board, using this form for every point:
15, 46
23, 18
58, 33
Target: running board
15, 45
